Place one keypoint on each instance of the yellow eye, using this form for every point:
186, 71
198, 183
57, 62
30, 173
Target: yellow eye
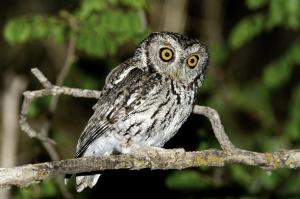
166, 54
192, 61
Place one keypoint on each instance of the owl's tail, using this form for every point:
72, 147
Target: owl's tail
97, 148
85, 181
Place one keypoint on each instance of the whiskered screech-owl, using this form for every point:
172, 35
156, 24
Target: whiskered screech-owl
145, 100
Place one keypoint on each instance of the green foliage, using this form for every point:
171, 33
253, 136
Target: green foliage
219, 52
248, 97
99, 26
38, 106
292, 127
24, 29
111, 30
284, 13
241, 175
256, 4
89, 7
280, 71
187, 180
265, 99
47, 189
246, 30
261, 112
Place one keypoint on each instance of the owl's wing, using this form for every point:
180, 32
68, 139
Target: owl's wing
115, 103
116, 76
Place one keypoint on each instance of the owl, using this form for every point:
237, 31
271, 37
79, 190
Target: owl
145, 100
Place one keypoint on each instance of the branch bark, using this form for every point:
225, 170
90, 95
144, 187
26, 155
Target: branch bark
151, 158
49, 90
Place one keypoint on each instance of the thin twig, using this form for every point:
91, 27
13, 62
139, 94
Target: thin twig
42, 79
217, 126
50, 90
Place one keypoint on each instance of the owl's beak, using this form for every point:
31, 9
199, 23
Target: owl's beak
176, 74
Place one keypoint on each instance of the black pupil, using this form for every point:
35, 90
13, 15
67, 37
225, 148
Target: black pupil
192, 60
167, 54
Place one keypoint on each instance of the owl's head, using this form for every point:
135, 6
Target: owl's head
171, 54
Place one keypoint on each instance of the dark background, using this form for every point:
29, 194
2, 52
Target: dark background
252, 81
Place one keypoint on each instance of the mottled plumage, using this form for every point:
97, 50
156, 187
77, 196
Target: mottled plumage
145, 100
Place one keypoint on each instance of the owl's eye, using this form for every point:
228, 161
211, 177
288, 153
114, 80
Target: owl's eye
192, 61
166, 54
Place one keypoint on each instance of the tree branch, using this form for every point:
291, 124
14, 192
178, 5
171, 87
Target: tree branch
49, 90
151, 158
217, 126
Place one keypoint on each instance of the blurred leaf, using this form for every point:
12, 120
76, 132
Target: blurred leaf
292, 127
23, 29
280, 12
207, 84
291, 187
273, 143
111, 29
88, 7
203, 145
187, 180
279, 72
241, 175
285, 13
33, 110
136, 4
246, 30
293, 53
100, 29
265, 180
255, 100
16, 31
219, 52
275, 15
48, 188
292, 12
256, 4
24, 193
38, 106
